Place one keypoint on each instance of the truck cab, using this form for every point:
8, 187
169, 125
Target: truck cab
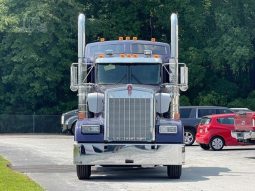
125, 88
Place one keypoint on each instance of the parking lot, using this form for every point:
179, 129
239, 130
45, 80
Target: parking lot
47, 159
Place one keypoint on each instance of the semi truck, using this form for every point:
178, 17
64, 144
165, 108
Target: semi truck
244, 123
128, 103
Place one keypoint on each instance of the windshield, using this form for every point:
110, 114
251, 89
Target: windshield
128, 73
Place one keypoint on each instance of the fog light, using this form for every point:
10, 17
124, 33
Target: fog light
167, 129
90, 129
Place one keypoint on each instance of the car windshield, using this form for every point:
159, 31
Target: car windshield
205, 121
133, 73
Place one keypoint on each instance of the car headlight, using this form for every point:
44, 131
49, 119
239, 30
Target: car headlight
167, 129
90, 129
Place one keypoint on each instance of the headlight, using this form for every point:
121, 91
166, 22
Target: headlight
90, 129
165, 129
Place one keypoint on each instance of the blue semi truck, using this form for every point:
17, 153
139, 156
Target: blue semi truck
128, 103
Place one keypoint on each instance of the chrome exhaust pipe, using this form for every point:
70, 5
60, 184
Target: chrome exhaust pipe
81, 36
174, 36
174, 111
82, 68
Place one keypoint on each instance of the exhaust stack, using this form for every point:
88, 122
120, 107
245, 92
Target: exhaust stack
82, 68
174, 111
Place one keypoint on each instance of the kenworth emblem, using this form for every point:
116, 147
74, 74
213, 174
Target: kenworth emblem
129, 88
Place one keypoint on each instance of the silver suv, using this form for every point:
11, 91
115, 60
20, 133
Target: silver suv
191, 115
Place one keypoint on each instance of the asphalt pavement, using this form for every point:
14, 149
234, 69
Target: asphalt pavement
47, 159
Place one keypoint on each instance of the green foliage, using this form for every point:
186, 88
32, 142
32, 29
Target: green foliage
38, 42
184, 100
211, 98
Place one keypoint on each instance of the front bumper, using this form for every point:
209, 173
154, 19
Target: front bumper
128, 154
242, 136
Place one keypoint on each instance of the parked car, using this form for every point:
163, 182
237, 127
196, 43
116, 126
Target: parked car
191, 115
68, 121
237, 110
214, 131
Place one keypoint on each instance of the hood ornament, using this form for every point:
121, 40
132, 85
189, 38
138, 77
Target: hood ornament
129, 89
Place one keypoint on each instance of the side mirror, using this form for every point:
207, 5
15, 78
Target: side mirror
74, 77
184, 78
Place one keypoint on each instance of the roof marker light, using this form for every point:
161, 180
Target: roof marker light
134, 38
122, 55
155, 56
100, 55
127, 37
153, 40
101, 39
120, 38
135, 55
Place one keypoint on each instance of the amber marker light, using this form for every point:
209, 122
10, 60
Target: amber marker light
122, 55
134, 38
120, 38
176, 116
128, 38
81, 115
129, 55
155, 56
101, 39
153, 40
101, 56
135, 55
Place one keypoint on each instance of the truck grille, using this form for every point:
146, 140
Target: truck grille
129, 119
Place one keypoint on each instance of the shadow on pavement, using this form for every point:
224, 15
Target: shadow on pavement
158, 174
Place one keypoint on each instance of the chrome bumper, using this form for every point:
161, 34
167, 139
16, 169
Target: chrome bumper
243, 135
128, 154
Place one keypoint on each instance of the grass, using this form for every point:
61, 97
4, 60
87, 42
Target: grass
14, 181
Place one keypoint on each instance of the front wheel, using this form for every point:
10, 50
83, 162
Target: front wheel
189, 137
72, 130
216, 143
204, 146
83, 171
174, 171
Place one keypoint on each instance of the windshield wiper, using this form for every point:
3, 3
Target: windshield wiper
124, 76
134, 77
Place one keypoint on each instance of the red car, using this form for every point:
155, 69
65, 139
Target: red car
214, 131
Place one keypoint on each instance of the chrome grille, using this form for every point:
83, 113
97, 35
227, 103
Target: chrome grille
129, 118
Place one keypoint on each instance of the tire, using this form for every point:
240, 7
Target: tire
174, 171
83, 171
189, 137
217, 143
204, 146
72, 130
